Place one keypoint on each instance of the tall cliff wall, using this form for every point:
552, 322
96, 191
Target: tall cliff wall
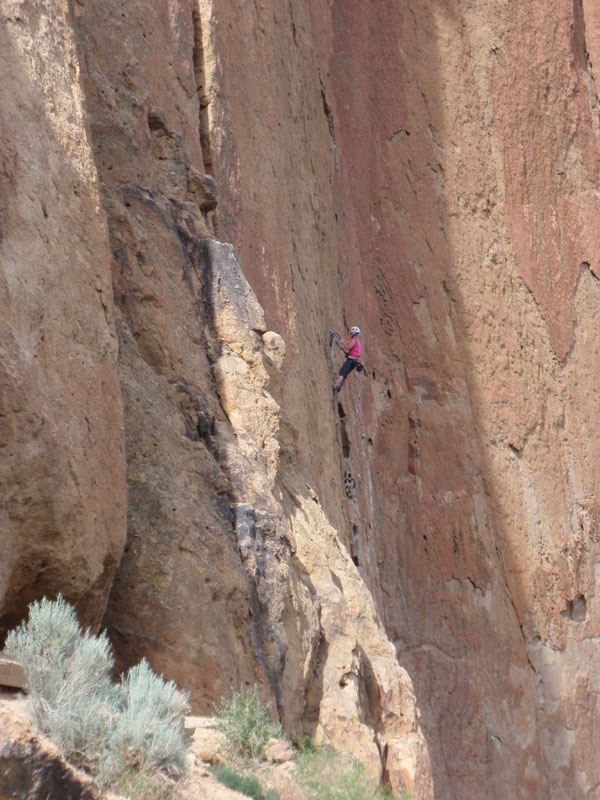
230, 572
439, 165
61, 417
409, 567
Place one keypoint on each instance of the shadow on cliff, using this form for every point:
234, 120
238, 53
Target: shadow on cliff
443, 576
520, 624
184, 596
65, 540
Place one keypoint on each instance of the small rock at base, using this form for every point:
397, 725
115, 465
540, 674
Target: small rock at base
278, 751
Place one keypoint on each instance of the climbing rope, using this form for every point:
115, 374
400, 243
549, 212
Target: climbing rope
334, 337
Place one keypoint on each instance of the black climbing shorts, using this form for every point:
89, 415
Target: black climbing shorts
347, 367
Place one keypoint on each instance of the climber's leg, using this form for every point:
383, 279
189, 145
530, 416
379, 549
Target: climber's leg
347, 367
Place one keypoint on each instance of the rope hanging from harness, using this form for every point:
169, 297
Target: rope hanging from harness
334, 336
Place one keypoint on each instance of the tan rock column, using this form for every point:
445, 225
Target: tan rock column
62, 465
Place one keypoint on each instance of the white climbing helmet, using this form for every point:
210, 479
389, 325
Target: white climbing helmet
355, 329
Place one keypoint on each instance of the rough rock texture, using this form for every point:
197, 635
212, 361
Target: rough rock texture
31, 768
207, 742
181, 597
62, 514
427, 170
209, 588
11, 673
357, 694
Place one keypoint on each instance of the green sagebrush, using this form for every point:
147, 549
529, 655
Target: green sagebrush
325, 774
113, 730
245, 723
244, 784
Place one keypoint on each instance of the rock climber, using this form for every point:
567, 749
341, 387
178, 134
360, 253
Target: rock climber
352, 348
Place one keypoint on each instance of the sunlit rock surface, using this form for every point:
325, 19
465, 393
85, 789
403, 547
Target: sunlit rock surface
409, 567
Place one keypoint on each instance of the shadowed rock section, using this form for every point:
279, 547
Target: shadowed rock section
31, 768
435, 165
62, 466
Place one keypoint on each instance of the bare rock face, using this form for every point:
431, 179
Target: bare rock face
335, 670
357, 696
426, 170
182, 597
435, 165
241, 378
210, 588
62, 514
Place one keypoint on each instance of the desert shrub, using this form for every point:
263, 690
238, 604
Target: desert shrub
325, 774
144, 784
148, 727
304, 743
131, 732
245, 723
245, 784
70, 696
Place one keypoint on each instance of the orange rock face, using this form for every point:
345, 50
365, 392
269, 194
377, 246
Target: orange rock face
181, 597
214, 586
428, 171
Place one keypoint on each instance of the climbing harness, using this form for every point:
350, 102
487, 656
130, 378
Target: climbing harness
335, 337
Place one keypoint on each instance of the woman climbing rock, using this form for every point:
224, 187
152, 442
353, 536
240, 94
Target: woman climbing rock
353, 349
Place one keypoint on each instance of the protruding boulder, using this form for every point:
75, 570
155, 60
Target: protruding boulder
278, 751
11, 673
31, 767
203, 188
274, 348
208, 742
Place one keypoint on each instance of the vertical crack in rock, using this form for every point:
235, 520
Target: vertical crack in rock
327, 110
580, 44
254, 555
8, 156
203, 100
200, 75
343, 432
292, 23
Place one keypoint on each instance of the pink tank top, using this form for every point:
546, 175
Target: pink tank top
356, 349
